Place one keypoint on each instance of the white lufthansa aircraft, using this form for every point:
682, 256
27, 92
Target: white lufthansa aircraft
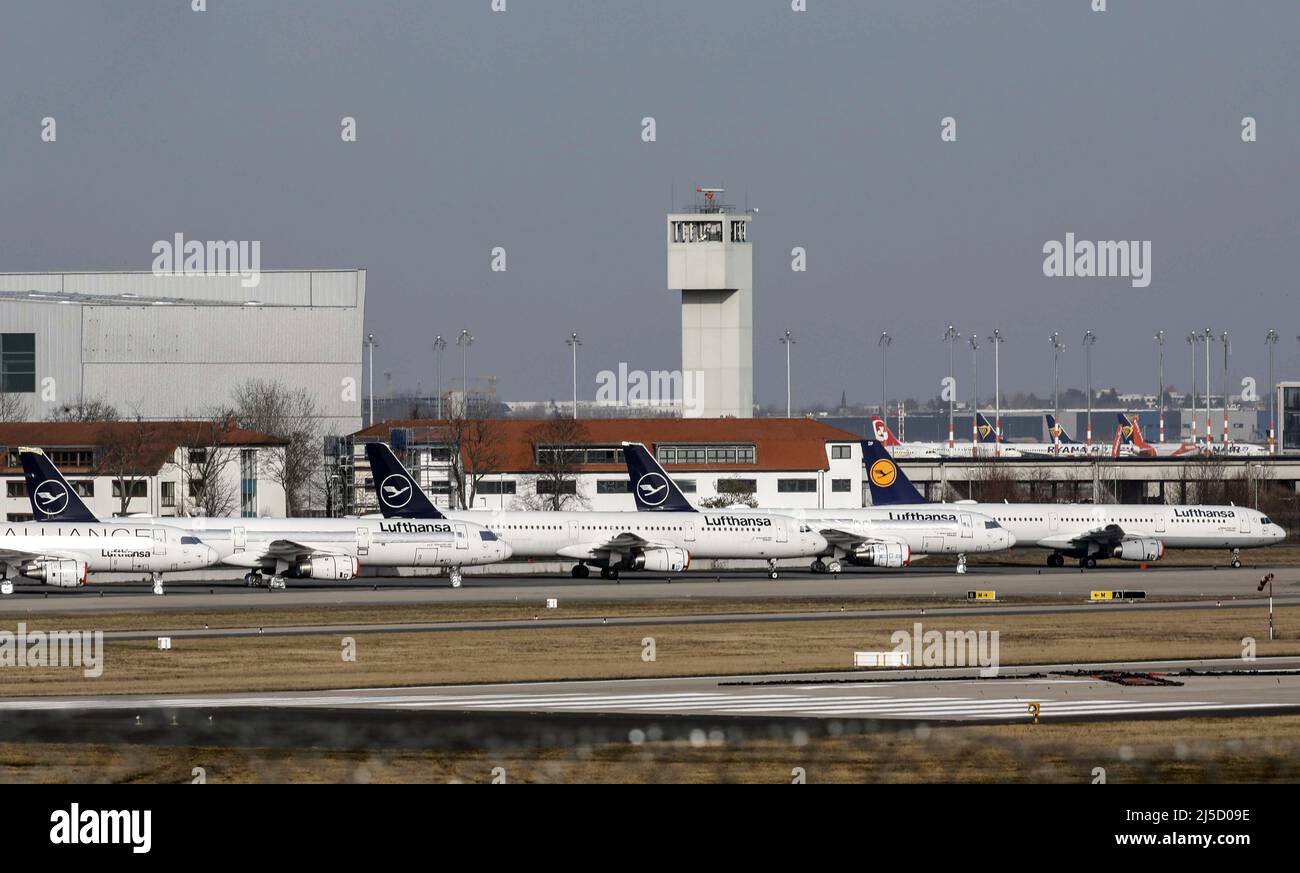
1089, 531
612, 541
281, 548
868, 537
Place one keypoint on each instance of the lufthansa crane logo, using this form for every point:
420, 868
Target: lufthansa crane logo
51, 497
883, 473
395, 491
652, 489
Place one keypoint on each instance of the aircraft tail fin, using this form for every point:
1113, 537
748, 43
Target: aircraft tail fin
52, 498
652, 488
1058, 432
884, 435
889, 485
984, 429
400, 496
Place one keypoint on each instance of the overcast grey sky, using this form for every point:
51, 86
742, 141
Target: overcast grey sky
522, 129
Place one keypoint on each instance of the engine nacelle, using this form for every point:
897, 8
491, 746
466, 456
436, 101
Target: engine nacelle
662, 560
60, 574
883, 555
1144, 549
334, 567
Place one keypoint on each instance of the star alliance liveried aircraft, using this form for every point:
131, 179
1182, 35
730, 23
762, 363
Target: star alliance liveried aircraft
612, 541
1089, 531
868, 537
331, 549
66, 542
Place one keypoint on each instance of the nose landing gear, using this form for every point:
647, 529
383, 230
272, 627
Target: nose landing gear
1236, 559
771, 569
961, 564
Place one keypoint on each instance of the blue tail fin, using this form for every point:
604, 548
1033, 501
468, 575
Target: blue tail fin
52, 498
1126, 429
889, 485
984, 429
652, 488
399, 494
1057, 432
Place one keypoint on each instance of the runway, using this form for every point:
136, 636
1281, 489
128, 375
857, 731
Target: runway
912, 583
1063, 692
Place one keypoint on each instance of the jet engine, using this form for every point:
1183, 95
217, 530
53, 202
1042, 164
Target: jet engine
333, 567
1144, 549
662, 560
60, 574
882, 555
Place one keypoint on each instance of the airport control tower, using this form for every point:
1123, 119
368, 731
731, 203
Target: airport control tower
710, 260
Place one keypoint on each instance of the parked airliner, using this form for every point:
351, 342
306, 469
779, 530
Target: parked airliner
1089, 531
612, 541
869, 537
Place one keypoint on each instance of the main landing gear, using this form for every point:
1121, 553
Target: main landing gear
1236, 559
961, 564
1056, 559
580, 571
608, 572
254, 579
832, 566
1087, 563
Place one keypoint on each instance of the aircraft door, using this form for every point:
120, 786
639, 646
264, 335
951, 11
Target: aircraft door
462, 537
783, 532
159, 541
966, 530
240, 537
1245, 524
363, 541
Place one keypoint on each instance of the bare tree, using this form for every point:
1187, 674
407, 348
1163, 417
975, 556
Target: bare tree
208, 491
127, 447
993, 483
86, 409
292, 416
557, 443
12, 407
477, 449
733, 492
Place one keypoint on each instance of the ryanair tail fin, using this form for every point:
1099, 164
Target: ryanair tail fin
1058, 433
889, 485
984, 429
1131, 433
52, 498
400, 496
652, 488
884, 435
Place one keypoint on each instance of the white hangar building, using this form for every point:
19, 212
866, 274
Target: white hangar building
175, 347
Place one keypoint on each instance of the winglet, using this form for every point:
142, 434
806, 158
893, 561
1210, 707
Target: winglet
400, 496
52, 498
652, 488
889, 485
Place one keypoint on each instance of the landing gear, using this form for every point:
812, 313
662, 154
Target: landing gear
580, 571
818, 566
157, 583
456, 577
833, 568
771, 569
1056, 559
1088, 563
6, 584
961, 564
253, 580
609, 572
1236, 559
277, 583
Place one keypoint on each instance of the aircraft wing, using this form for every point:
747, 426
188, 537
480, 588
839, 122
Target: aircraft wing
1108, 536
13, 556
847, 539
289, 550
620, 544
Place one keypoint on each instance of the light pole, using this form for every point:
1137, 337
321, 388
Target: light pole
573, 342
1089, 340
1191, 343
883, 343
975, 387
997, 339
438, 345
1270, 340
370, 344
787, 340
1227, 348
1057, 348
1207, 338
1160, 378
465, 340
950, 336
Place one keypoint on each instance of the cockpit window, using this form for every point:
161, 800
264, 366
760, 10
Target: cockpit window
991, 525
487, 536
803, 528
1266, 520
191, 541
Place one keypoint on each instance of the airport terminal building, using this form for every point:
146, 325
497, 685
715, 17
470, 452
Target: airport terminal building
176, 346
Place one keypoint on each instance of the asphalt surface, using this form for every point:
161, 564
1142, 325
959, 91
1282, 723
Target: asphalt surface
923, 584
1061, 692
